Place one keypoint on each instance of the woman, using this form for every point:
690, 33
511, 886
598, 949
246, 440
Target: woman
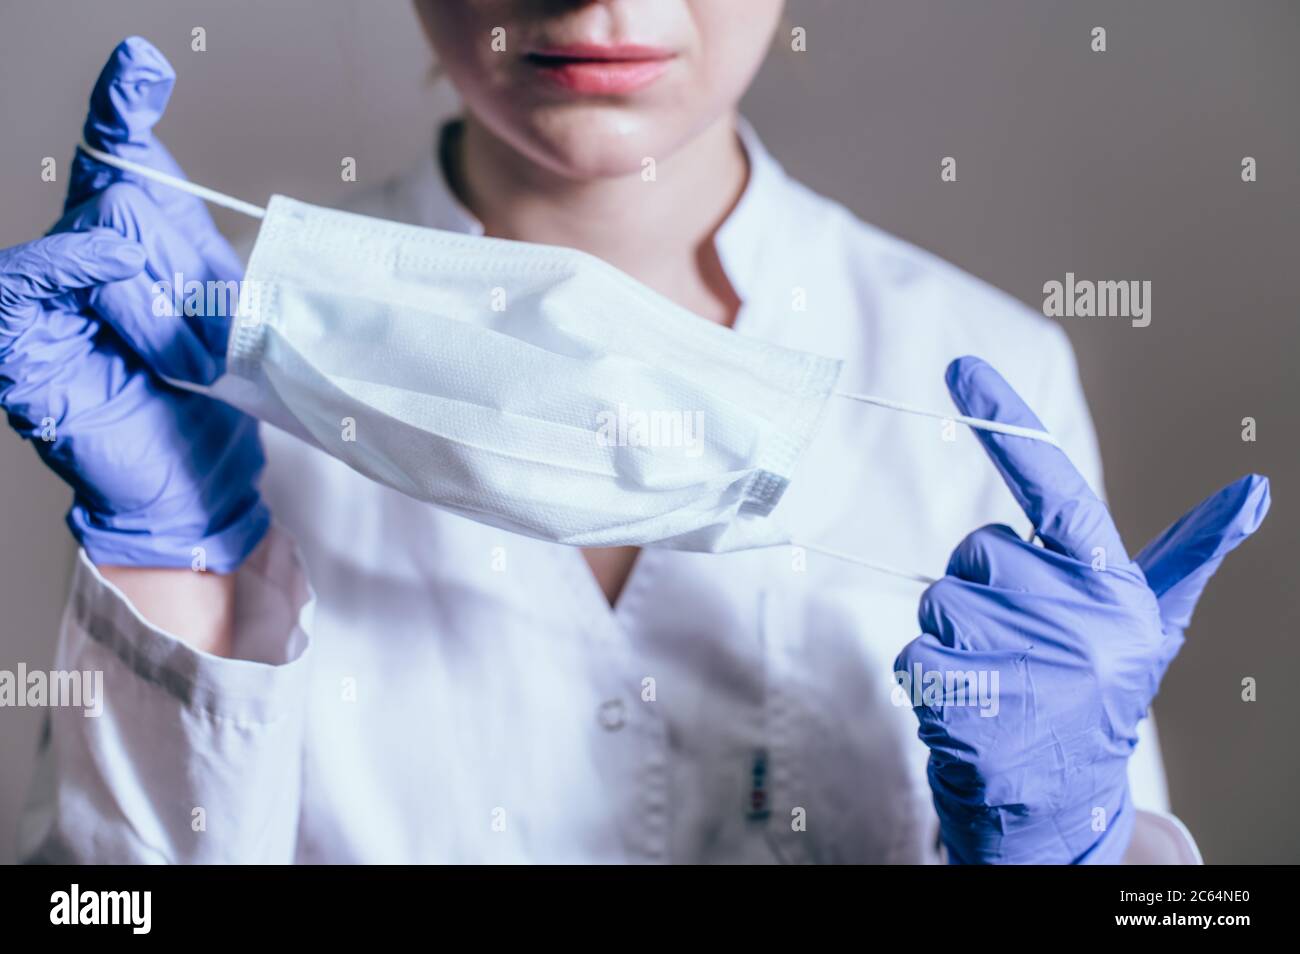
372, 679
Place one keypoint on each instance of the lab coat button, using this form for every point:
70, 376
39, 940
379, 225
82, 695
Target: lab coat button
611, 714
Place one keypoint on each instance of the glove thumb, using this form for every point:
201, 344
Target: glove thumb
1180, 560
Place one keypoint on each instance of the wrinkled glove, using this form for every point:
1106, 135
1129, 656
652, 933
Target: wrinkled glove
189, 263
160, 477
1073, 637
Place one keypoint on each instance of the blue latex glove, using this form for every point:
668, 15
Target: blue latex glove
155, 472
175, 228
1078, 652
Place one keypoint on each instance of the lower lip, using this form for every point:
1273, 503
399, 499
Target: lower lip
601, 77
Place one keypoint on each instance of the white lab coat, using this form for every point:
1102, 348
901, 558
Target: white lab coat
417, 687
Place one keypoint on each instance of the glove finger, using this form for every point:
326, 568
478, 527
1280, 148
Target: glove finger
128, 100
173, 343
1181, 559
972, 617
942, 610
996, 557
953, 688
58, 264
1068, 516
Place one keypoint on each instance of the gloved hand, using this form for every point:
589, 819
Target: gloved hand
1078, 635
188, 261
155, 471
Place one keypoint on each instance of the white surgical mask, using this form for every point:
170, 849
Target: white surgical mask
529, 387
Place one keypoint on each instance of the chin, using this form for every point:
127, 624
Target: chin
593, 143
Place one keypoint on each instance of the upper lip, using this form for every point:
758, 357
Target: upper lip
602, 52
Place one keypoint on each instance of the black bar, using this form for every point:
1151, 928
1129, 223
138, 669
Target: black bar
207, 904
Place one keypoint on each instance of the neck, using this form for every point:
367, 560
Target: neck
660, 232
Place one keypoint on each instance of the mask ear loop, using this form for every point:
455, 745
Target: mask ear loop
978, 423
868, 564
202, 192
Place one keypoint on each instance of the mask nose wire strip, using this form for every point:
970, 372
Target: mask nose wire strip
878, 567
976, 422
204, 193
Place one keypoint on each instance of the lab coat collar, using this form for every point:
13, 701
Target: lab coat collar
438, 205
739, 240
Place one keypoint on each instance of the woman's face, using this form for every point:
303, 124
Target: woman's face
590, 89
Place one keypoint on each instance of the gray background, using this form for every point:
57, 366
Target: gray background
1122, 165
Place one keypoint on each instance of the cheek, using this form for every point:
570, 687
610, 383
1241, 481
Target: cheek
463, 35
734, 37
